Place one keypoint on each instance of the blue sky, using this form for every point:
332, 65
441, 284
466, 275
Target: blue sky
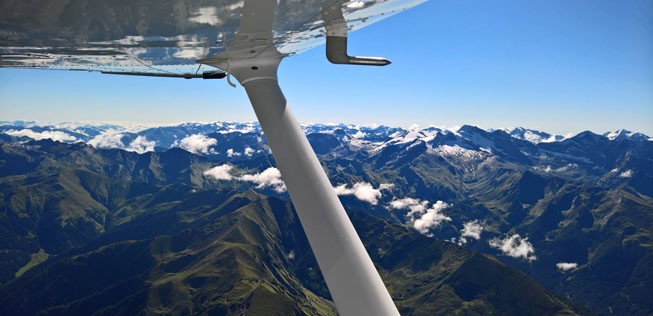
559, 66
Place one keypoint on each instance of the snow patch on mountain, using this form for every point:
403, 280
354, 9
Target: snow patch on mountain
243, 128
235, 140
359, 134
567, 156
533, 136
407, 137
622, 134
458, 152
626, 174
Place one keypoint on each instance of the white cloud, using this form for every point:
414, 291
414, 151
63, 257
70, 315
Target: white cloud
198, 144
566, 266
247, 152
343, 190
386, 186
109, 139
626, 174
141, 145
364, 191
249, 128
53, 135
409, 203
270, 177
422, 217
471, 229
220, 172
206, 15
190, 53
232, 153
432, 218
514, 246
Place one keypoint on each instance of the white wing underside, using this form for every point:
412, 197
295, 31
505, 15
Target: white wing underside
157, 37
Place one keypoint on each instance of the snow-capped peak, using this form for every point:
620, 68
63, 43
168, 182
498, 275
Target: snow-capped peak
534, 136
623, 134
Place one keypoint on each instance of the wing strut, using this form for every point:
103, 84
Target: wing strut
352, 279
350, 275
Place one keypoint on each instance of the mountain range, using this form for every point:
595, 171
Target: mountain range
456, 220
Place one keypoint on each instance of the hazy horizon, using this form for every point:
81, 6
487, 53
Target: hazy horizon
133, 126
557, 66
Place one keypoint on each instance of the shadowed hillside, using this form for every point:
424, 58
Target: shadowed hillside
123, 239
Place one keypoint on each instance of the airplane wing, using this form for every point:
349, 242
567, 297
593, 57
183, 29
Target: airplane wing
164, 38
214, 39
